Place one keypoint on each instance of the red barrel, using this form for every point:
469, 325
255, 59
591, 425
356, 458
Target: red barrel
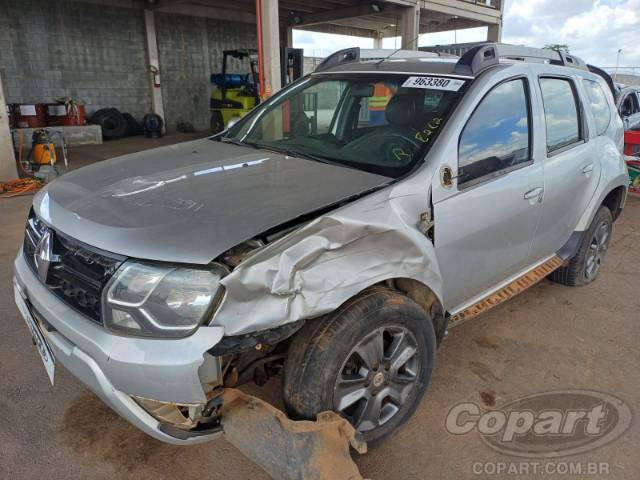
55, 113
59, 114
29, 115
76, 115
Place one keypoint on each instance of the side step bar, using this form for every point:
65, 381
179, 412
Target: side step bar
512, 289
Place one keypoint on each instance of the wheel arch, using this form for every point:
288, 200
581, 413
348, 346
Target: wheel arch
422, 295
613, 196
614, 201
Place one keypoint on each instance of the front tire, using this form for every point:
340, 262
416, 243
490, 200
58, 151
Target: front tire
370, 361
217, 122
584, 267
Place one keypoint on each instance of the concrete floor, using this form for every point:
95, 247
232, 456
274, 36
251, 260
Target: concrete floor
550, 337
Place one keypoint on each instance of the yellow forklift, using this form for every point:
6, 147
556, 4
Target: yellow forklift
234, 94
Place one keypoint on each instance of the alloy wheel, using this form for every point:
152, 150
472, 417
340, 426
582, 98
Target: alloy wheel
377, 377
597, 249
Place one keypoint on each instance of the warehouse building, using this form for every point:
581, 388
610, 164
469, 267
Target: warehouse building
143, 56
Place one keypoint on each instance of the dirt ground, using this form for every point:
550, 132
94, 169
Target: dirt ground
550, 337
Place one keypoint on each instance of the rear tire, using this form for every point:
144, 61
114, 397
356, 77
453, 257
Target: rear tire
370, 361
583, 268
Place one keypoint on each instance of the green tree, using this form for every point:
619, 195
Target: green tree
558, 47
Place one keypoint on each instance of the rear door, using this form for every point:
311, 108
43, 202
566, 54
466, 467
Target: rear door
571, 167
486, 221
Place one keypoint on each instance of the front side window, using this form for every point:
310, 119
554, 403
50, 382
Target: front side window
599, 105
366, 121
496, 137
560, 112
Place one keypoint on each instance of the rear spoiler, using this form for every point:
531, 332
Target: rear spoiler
607, 78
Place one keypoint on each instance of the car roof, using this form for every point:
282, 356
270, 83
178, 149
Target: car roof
475, 61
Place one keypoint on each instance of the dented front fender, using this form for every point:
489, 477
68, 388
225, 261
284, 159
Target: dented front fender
316, 268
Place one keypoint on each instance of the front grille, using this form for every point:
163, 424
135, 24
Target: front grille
78, 273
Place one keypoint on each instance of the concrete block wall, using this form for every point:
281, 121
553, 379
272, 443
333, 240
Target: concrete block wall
95, 54
190, 51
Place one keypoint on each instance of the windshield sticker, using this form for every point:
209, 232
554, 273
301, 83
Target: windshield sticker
434, 83
425, 134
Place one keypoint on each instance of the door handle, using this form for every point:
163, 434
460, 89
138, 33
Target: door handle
587, 168
534, 194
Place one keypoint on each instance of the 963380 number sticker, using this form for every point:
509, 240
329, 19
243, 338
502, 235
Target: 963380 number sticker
434, 83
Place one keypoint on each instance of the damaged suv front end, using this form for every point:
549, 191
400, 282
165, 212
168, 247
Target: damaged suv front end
161, 278
161, 377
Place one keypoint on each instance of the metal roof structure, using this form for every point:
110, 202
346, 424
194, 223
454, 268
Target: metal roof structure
363, 18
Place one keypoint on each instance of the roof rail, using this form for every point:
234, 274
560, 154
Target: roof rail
348, 55
356, 54
391, 54
483, 56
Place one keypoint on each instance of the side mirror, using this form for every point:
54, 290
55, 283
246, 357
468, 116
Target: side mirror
626, 122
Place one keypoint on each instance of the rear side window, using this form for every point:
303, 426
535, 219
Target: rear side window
372, 108
560, 112
496, 137
599, 105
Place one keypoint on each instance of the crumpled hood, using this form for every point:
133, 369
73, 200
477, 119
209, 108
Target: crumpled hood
192, 201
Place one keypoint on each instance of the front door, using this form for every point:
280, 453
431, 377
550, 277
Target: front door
483, 231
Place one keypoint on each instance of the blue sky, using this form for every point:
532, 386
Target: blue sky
593, 29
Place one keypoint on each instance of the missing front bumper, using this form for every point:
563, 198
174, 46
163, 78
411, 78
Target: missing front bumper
288, 449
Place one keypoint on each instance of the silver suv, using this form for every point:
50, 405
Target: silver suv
332, 236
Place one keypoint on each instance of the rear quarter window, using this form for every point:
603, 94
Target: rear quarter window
599, 105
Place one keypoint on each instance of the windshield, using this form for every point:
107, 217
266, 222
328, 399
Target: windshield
369, 122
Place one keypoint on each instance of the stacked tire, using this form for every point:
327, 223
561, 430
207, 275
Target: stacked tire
112, 122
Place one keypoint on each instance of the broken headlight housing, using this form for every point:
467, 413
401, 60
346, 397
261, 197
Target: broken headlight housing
156, 300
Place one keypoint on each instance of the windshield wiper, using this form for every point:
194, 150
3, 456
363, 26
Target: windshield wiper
235, 141
307, 156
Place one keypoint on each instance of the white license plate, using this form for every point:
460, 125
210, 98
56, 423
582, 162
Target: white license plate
38, 337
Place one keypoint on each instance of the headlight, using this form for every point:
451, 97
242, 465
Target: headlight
160, 301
